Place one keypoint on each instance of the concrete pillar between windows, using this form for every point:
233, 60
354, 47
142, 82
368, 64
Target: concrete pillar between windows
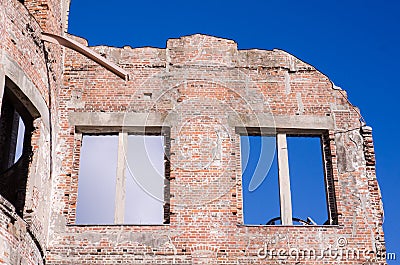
120, 190
284, 180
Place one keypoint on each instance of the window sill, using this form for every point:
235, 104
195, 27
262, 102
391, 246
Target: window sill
286, 226
105, 225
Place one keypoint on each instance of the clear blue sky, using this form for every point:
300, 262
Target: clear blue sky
355, 43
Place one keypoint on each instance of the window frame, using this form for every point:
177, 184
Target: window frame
119, 201
15, 172
286, 216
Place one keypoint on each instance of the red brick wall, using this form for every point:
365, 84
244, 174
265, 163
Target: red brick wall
35, 68
200, 83
200, 86
18, 246
20, 40
48, 13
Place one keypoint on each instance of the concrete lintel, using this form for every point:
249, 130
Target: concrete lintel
122, 121
282, 121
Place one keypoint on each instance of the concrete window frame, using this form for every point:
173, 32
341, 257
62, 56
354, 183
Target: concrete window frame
285, 200
120, 189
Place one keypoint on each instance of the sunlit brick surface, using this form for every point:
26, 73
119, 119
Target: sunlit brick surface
200, 90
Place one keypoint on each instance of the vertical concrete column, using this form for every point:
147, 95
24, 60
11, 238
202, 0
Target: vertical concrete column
284, 180
120, 189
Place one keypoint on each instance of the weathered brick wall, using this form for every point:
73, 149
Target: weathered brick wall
35, 68
23, 62
20, 40
17, 245
203, 87
50, 14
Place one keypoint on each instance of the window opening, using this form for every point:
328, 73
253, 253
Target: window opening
97, 179
16, 128
127, 175
307, 179
259, 179
284, 180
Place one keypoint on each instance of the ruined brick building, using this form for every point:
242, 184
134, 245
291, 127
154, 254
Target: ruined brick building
201, 97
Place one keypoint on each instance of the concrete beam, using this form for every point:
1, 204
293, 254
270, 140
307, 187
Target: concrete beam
86, 51
101, 122
294, 122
